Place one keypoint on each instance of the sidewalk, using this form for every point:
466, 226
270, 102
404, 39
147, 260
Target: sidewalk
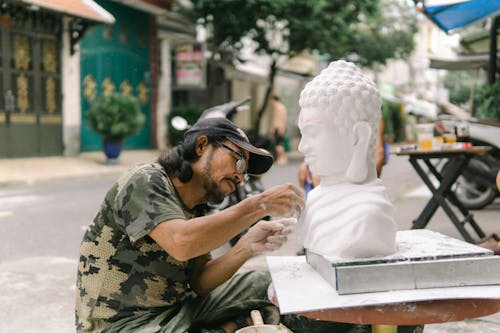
37, 169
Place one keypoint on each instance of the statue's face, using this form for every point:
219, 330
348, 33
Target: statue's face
326, 151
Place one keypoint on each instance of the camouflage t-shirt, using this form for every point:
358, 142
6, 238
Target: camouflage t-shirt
121, 270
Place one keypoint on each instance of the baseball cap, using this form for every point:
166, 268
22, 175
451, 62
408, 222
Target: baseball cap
260, 160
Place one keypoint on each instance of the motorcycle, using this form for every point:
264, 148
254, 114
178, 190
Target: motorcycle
476, 187
253, 185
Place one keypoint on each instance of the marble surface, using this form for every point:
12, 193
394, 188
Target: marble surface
292, 274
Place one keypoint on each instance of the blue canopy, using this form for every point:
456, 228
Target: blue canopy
457, 14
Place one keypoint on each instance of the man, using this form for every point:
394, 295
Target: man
145, 261
146, 247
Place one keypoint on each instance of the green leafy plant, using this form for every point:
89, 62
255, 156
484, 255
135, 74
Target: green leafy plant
487, 102
394, 122
366, 31
460, 84
190, 113
116, 116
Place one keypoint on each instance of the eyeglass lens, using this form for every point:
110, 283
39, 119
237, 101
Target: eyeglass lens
241, 163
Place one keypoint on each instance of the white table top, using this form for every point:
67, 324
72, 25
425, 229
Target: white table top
299, 288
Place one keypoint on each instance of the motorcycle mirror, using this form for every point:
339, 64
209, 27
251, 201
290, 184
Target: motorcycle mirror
179, 123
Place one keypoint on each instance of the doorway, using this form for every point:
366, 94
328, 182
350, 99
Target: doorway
30, 83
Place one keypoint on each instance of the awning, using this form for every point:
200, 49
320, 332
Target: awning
461, 62
453, 14
86, 9
449, 15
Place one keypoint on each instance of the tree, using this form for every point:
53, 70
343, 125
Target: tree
283, 28
385, 34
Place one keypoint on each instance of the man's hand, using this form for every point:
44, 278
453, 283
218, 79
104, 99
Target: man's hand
284, 200
267, 235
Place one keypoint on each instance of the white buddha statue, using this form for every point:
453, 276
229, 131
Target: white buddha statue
349, 215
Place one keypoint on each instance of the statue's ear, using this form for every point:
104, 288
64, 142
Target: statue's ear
357, 172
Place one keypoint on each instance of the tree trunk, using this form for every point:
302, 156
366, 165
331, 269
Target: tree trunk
269, 90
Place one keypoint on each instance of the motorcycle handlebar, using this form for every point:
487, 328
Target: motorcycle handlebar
224, 110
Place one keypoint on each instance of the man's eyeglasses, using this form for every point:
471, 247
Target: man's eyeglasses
241, 163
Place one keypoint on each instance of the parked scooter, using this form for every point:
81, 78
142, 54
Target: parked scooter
253, 185
476, 188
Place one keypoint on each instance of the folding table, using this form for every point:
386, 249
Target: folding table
443, 195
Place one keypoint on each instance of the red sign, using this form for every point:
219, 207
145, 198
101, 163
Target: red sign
189, 66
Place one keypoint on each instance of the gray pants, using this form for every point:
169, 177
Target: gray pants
235, 298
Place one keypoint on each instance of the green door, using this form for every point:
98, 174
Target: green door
30, 84
115, 58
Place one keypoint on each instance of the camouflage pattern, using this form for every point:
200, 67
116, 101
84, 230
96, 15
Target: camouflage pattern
233, 299
121, 270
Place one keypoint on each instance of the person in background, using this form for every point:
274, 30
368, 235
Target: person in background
498, 180
492, 242
306, 179
381, 148
278, 128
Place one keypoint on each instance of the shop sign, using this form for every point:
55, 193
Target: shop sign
189, 66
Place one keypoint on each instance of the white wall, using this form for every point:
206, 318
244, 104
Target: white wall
71, 104
164, 94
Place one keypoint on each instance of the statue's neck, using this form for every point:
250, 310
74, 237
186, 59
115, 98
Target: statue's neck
327, 181
336, 180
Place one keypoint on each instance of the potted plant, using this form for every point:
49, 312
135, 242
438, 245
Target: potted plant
115, 117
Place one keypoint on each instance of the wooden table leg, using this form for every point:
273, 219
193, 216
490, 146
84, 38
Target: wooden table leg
384, 328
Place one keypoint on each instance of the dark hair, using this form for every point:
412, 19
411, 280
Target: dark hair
177, 162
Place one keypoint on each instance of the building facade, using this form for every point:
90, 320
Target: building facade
37, 40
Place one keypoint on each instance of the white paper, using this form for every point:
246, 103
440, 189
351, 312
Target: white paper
300, 288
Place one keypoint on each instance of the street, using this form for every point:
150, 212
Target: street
42, 226
48, 219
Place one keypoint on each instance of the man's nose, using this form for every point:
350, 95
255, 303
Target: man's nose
240, 177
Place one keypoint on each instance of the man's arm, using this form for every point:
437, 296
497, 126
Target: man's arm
185, 240
264, 236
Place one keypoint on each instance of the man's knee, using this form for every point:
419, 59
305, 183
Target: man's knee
258, 281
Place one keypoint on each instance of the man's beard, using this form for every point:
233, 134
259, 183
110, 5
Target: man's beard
214, 195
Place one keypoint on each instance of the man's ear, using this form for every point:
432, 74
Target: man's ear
201, 144
357, 172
